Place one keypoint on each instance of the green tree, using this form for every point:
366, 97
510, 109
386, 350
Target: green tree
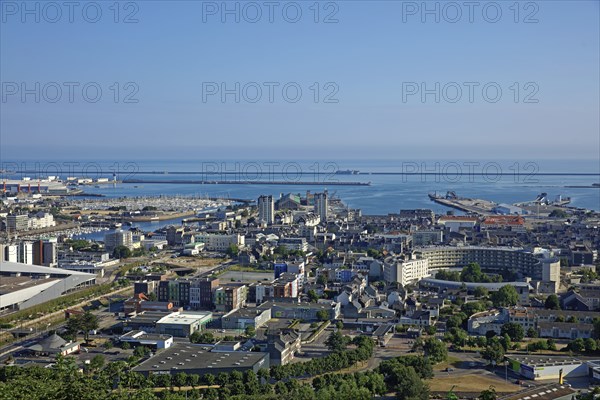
532, 333
222, 378
410, 386
236, 376
505, 297
202, 337
250, 331
337, 342
472, 273
431, 330
590, 345
558, 214
322, 315
141, 351
480, 292
471, 308
313, 296
552, 302
435, 350
596, 330
233, 250
322, 280
514, 331
488, 394
121, 252
373, 253
494, 352
263, 375
505, 342
97, 362
83, 322
180, 379
538, 345
193, 380
577, 345
455, 321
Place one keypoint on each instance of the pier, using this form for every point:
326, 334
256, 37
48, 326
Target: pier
246, 182
473, 206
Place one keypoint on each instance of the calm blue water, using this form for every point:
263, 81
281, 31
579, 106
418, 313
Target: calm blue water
492, 180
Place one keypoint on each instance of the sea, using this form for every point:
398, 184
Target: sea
384, 186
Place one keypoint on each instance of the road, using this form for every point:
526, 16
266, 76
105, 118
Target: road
39, 323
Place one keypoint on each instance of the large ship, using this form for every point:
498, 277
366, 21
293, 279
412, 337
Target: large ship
347, 172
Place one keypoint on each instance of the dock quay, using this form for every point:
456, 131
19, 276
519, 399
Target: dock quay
247, 182
473, 206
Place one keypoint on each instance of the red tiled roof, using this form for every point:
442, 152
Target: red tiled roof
504, 220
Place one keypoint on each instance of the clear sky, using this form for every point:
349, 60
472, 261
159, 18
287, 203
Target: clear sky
375, 61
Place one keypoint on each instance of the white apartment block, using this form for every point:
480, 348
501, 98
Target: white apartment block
266, 209
405, 271
216, 242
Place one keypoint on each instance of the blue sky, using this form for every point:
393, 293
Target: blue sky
368, 56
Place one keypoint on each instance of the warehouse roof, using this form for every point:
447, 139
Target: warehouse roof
189, 356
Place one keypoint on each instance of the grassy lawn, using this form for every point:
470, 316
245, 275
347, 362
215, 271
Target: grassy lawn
452, 362
470, 383
240, 268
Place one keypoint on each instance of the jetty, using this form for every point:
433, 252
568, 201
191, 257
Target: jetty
244, 182
473, 206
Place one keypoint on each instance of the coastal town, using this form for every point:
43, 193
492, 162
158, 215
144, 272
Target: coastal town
299, 200
280, 291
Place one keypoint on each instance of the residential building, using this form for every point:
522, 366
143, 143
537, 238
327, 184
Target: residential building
202, 292
175, 291
118, 238
321, 205
17, 223
219, 242
266, 209
26, 253
456, 222
230, 297
45, 252
405, 271
565, 330
282, 346
293, 244
427, 238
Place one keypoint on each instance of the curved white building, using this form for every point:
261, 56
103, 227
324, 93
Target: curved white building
538, 264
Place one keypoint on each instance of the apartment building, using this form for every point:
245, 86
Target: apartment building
405, 271
230, 297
